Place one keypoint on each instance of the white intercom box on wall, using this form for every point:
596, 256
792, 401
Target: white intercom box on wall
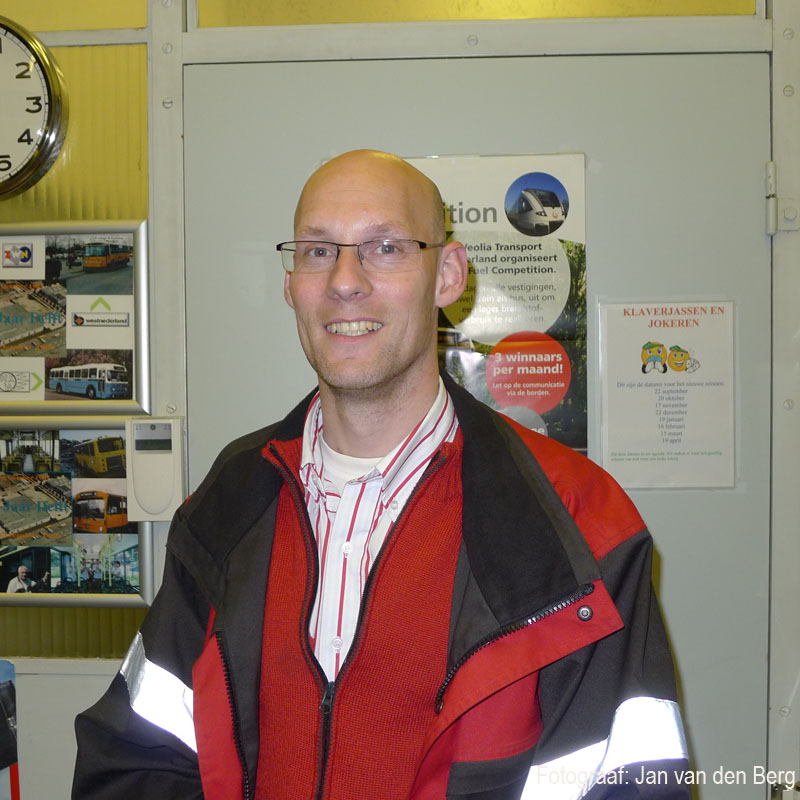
154, 449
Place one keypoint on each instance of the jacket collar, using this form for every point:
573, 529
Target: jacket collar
523, 550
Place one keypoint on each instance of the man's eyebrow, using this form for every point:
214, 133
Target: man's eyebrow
311, 231
375, 231
387, 229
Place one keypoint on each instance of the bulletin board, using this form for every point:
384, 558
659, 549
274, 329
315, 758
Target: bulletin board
73, 364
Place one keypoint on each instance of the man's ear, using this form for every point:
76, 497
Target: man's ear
452, 272
287, 294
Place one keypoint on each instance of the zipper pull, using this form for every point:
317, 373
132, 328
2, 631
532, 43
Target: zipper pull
327, 698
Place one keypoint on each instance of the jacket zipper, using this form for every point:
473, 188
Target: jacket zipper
326, 709
329, 687
566, 601
237, 736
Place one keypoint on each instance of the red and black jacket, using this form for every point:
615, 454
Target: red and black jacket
552, 609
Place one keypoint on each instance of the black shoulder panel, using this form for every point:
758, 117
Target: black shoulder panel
515, 552
239, 487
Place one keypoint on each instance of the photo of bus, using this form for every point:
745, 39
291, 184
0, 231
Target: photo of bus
101, 255
101, 381
104, 456
99, 512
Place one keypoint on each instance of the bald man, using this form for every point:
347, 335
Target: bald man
394, 592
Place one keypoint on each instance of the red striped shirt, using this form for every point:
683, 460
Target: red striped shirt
350, 526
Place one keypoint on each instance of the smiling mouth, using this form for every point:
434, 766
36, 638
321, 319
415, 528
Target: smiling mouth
355, 328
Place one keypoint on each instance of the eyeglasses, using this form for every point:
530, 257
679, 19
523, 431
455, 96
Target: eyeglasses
380, 255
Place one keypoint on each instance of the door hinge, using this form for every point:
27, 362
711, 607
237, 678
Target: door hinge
783, 213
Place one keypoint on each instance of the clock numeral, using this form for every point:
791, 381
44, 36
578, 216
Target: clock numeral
26, 69
37, 104
5, 163
25, 137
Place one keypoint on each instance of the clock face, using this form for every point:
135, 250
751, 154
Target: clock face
33, 117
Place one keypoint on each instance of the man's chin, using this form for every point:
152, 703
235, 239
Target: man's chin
351, 384
355, 380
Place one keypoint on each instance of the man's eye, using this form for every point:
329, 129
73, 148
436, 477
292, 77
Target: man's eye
390, 249
316, 251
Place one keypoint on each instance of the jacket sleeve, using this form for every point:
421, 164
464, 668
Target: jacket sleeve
137, 742
611, 723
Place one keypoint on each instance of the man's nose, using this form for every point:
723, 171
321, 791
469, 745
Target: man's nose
348, 276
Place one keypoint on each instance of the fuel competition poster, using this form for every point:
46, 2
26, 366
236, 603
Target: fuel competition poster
667, 374
517, 337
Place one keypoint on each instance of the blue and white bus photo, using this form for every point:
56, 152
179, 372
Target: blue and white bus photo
103, 381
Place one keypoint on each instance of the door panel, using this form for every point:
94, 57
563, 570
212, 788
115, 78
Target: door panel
675, 150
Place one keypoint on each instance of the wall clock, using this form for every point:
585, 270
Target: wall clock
33, 120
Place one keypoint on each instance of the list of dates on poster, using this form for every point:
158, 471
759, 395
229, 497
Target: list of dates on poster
668, 393
516, 338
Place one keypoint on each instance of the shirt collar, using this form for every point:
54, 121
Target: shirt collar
432, 429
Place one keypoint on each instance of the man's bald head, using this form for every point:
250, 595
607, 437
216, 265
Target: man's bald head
416, 195
370, 332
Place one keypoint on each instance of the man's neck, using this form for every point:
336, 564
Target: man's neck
372, 423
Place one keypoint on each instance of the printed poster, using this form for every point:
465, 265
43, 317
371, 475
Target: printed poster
517, 338
66, 316
64, 524
667, 374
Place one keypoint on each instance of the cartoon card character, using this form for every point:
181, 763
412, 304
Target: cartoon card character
678, 358
654, 356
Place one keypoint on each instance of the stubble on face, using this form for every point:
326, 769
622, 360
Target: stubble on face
367, 194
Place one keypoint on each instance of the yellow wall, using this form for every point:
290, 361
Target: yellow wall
76, 15
46, 15
221, 13
101, 174
67, 632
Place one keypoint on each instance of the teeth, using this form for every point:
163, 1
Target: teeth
354, 328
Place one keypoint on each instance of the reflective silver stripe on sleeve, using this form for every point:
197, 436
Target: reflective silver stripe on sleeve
158, 695
644, 729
